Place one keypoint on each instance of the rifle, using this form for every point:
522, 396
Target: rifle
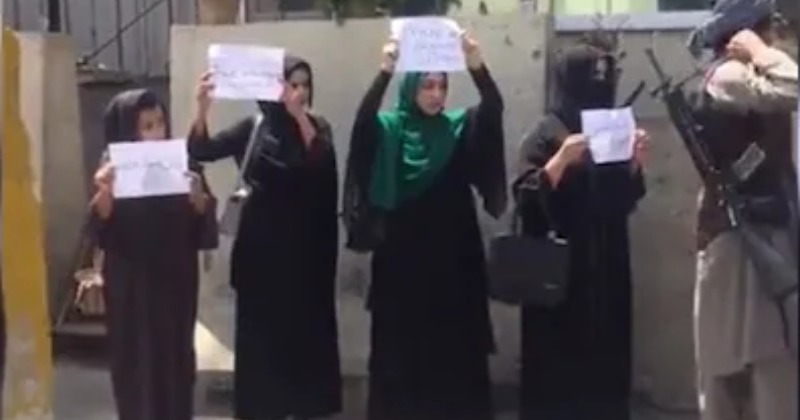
777, 273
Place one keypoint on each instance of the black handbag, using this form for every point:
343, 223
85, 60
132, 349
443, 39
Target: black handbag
528, 270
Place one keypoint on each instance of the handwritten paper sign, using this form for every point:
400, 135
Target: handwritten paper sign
246, 71
428, 44
149, 168
610, 132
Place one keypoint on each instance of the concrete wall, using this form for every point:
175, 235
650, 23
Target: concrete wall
50, 111
661, 230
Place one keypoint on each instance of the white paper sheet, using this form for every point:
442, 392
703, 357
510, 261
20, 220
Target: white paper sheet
149, 168
249, 72
611, 133
428, 44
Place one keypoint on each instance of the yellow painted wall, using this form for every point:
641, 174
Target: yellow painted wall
28, 382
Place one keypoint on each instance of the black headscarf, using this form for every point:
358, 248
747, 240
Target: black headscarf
276, 112
122, 114
279, 137
584, 77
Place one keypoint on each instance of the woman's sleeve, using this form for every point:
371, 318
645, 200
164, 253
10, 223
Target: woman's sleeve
539, 203
208, 227
486, 144
329, 231
331, 191
230, 142
364, 138
95, 227
491, 104
366, 115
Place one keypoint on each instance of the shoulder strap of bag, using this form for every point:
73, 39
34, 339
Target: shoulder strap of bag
248, 151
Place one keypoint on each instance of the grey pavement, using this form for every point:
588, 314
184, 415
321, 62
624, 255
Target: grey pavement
83, 392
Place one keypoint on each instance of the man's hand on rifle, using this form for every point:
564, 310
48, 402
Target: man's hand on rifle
745, 45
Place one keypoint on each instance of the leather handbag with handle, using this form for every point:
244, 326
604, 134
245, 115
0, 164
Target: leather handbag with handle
89, 299
231, 214
530, 270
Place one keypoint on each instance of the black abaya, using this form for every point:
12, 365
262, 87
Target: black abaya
576, 357
150, 269
283, 268
431, 332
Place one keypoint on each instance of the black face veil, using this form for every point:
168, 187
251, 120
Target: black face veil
585, 77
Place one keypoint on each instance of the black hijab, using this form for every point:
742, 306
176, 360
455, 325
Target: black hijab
279, 138
585, 77
122, 114
275, 113
121, 117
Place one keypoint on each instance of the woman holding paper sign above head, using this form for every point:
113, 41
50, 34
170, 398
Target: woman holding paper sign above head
576, 351
283, 263
150, 266
409, 200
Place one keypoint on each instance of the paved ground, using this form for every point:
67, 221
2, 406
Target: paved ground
83, 393
83, 390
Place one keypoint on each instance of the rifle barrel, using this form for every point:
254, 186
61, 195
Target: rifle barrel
635, 94
651, 56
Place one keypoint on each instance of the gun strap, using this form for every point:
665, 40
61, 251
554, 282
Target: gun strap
785, 325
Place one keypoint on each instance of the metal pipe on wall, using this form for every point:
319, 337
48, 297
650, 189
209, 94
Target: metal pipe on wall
16, 14
120, 41
53, 15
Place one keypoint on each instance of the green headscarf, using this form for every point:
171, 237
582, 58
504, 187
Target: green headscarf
413, 147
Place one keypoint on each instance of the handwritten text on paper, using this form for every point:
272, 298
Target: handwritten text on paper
428, 44
611, 133
149, 168
246, 71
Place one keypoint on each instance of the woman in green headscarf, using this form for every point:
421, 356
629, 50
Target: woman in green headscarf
409, 200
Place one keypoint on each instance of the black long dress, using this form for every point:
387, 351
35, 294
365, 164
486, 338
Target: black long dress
576, 362
431, 332
150, 269
283, 268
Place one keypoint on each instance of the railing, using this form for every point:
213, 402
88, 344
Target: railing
116, 38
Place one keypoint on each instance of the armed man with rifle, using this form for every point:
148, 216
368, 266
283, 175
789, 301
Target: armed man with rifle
738, 132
